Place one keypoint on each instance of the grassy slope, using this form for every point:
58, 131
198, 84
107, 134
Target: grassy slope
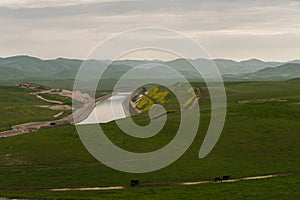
18, 106
257, 139
56, 97
273, 188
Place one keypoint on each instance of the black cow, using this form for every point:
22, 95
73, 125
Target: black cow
218, 179
226, 177
134, 183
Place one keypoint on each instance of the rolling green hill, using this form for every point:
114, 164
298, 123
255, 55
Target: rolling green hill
286, 71
29, 69
18, 106
258, 138
61, 72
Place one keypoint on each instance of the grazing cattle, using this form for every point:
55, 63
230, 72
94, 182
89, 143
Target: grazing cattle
218, 179
134, 182
226, 177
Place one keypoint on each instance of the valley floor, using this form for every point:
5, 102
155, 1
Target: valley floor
279, 188
260, 137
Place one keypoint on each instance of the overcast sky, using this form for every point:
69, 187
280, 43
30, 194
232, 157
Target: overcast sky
239, 30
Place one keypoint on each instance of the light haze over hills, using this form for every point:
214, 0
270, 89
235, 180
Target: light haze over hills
25, 68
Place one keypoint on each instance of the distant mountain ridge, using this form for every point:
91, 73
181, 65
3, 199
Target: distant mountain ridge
285, 71
25, 68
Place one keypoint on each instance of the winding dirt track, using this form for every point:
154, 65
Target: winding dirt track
47, 100
145, 186
79, 115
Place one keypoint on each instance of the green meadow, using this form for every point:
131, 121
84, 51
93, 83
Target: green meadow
18, 106
274, 188
260, 137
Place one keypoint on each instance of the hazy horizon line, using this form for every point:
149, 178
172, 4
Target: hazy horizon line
143, 59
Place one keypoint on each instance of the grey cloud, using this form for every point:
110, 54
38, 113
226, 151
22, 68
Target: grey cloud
73, 30
137, 6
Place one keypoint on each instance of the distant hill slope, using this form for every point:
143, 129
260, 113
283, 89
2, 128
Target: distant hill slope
25, 68
53, 72
286, 71
248, 66
295, 80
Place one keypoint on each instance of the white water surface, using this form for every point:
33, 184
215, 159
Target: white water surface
108, 110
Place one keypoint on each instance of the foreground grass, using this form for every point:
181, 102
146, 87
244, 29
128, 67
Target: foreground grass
258, 138
273, 188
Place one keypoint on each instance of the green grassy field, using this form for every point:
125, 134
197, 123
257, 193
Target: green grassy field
55, 97
273, 188
65, 100
258, 138
18, 106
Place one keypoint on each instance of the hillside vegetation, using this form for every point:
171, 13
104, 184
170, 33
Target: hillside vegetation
258, 138
274, 188
61, 72
290, 70
18, 106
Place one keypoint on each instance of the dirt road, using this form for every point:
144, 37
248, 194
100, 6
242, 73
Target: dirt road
79, 115
146, 186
